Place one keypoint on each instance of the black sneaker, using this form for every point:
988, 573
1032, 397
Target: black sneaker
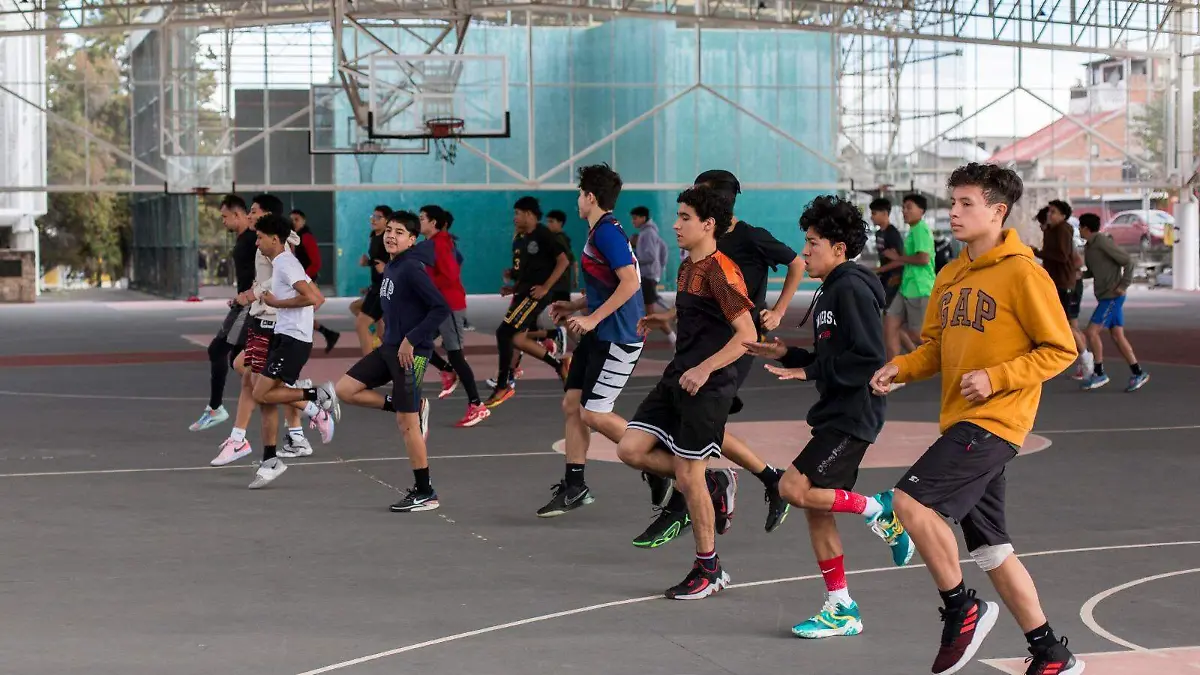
565, 498
722, 485
1053, 660
667, 526
331, 340
416, 500
777, 506
699, 583
964, 631
661, 489
560, 340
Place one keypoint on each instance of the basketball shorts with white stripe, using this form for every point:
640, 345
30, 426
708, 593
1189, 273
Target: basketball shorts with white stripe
691, 427
600, 371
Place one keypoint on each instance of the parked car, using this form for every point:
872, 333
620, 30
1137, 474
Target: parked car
1140, 229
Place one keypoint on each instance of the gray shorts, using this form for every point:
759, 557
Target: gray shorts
452, 329
233, 329
910, 311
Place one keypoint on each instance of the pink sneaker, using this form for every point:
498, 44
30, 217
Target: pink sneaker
231, 451
323, 423
449, 384
475, 415
551, 346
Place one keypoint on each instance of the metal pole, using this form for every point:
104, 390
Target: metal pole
532, 123
1186, 256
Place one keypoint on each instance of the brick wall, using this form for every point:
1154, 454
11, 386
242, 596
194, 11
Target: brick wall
18, 276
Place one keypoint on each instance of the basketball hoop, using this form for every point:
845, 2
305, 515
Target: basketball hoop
200, 192
445, 132
365, 154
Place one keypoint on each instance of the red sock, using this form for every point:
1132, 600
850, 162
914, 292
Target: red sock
845, 501
834, 572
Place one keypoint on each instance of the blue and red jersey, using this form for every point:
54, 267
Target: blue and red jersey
606, 251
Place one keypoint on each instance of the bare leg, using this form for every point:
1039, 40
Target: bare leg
274, 392
891, 336
1093, 335
246, 404
823, 533
578, 436
414, 441
640, 450
530, 346
691, 481
362, 328
350, 390
1015, 586
610, 424
1118, 336
933, 538
906, 342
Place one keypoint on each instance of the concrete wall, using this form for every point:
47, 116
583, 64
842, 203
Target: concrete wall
18, 276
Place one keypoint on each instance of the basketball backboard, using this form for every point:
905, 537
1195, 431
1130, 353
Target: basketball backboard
333, 129
407, 91
192, 174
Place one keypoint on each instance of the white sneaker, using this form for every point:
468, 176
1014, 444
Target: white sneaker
327, 398
268, 471
302, 384
295, 446
424, 418
231, 451
1087, 363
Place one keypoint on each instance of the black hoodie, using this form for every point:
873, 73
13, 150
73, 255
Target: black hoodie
848, 349
413, 307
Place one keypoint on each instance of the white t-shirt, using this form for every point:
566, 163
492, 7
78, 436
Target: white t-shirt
286, 273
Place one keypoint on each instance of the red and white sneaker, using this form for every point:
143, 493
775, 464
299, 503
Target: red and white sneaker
231, 451
1080, 373
551, 346
323, 423
722, 485
699, 583
475, 415
1053, 660
963, 633
449, 384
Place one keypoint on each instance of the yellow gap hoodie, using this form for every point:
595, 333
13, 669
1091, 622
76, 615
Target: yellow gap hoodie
1001, 314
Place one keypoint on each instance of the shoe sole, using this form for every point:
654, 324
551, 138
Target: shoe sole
489, 405
851, 628
255, 485
1075, 669
470, 423
289, 454
208, 425
1130, 390
787, 508
427, 506
558, 512
985, 625
236, 457
447, 392
1087, 387
721, 582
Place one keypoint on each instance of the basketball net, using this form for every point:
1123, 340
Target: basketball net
366, 154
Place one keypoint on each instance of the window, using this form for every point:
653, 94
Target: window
6, 237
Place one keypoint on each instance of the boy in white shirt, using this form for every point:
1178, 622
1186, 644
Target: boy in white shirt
295, 297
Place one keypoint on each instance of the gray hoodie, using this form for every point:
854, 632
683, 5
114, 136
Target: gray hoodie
651, 251
1108, 264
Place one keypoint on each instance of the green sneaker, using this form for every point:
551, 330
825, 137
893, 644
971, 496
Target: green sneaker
889, 528
833, 620
667, 526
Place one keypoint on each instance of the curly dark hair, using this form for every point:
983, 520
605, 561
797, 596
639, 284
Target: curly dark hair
708, 203
1063, 207
724, 182
603, 182
999, 185
234, 203
274, 225
409, 220
268, 203
1043, 215
837, 220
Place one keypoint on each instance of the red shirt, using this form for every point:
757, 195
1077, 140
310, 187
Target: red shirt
446, 273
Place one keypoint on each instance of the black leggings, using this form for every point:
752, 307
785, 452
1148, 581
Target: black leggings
504, 343
220, 358
458, 364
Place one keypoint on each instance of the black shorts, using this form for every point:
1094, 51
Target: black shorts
382, 366
649, 292
371, 305
743, 365
1071, 299
524, 310
961, 476
560, 296
691, 427
831, 459
600, 371
286, 358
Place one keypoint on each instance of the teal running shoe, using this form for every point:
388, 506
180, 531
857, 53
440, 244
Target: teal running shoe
889, 528
833, 620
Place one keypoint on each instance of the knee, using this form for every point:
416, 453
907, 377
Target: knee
629, 453
591, 419
793, 488
571, 407
904, 505
991, 557
260, 396
345, 388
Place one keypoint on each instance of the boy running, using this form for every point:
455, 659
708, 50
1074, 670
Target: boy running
1112, 270
609, 346
907, 310
846, 420
997, 333
295, 297
308, 252
680, 425
753, 250
446, 273
1062, 263
368, 311
413, 309
538, 263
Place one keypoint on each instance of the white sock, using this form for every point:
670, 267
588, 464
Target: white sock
842, 596
312, 409
297, 432
873, 508
671, 337
237, 435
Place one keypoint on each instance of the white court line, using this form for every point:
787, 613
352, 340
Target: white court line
1183, 427
97, 472
647, 598
1086, 612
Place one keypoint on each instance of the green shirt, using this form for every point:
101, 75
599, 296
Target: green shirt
918, 279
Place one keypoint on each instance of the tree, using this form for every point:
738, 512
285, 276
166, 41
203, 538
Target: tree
86, 86
1150, 128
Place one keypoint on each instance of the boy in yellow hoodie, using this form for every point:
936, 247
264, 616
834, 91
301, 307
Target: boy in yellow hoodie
995, 332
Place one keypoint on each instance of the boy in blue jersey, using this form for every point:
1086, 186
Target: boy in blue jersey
609, 346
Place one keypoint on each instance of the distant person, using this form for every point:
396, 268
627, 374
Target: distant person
368, 312
309, 255
1063, 265
906, 314
1112, 270
651, 253
888, 238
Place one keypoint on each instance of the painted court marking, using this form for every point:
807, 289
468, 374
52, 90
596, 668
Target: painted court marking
1089, 620
331, 462
631, 601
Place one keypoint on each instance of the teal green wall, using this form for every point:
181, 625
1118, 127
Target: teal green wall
620, 70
